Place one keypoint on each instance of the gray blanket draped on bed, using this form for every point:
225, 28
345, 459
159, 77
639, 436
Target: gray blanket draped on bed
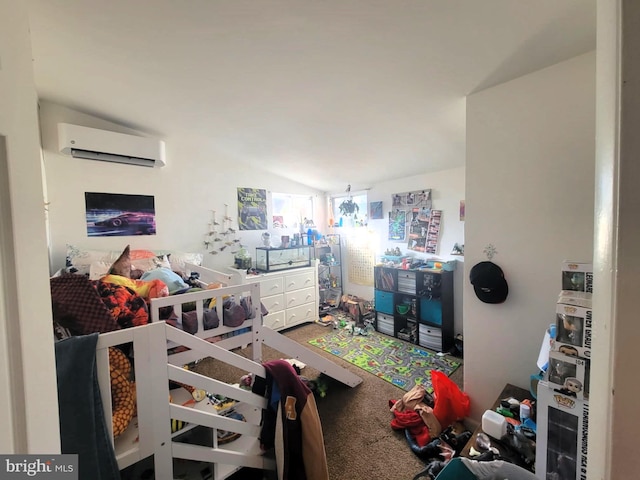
82, 425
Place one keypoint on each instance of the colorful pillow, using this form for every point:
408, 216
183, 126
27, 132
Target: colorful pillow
139, 254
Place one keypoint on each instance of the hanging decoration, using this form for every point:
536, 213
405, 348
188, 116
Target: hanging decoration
348, 207
221, 236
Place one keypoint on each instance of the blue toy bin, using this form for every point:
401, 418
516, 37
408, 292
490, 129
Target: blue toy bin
463, 469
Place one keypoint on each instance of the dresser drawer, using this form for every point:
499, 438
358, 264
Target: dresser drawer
300, 280
271, 286
301, 314
298, 297
274, 320
274, 303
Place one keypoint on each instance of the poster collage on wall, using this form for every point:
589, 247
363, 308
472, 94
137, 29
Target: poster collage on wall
412, 219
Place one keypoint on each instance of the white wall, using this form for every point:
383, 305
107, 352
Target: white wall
28, 398
447, 190
196, 180
530, 193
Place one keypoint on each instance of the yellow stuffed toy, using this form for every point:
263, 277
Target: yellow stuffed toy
123, 392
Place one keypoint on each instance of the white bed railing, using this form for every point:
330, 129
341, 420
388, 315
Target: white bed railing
149, 434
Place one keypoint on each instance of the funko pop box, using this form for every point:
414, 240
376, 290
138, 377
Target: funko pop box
577, 277
573, 330
562, 435
579, 299
568, 375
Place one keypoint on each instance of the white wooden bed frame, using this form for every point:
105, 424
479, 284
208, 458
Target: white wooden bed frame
149, 434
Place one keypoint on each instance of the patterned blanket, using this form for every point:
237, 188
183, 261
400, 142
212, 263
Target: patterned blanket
84, 306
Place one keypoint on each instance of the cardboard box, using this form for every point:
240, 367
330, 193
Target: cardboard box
562, 435
573, 330
568, 375
577, 277
357, 308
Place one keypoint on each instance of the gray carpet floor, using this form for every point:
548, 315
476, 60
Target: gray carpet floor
359, 441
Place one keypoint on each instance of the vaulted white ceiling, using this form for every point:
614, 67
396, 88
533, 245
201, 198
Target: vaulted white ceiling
324, 92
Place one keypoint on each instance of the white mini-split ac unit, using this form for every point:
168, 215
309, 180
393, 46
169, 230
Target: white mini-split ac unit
107, 146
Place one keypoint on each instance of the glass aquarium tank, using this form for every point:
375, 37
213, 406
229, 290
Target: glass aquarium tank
276, 259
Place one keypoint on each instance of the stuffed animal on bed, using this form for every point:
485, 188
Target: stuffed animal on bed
123, 391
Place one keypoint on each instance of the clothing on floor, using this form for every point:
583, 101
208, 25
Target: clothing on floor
291, 424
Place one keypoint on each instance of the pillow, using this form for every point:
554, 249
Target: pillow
138, 254
97, 270
162, 261
171, 279
144, 264
178, 260
79, 260
122, 266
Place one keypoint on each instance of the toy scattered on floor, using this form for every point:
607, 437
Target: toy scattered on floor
318, 386
246, 381
351, 329
221, 403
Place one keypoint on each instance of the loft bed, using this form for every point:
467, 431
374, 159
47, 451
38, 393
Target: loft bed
160, 352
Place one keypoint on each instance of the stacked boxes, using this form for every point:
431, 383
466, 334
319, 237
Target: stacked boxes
568, 375
562, 435
563, 396
573, 330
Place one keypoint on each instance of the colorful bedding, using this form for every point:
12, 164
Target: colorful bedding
86, 306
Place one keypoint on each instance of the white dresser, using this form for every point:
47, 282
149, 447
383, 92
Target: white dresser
290, 296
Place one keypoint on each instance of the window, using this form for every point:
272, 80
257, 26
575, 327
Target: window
360, 214
291, 211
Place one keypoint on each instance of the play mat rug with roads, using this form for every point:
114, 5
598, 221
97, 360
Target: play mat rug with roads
398, 362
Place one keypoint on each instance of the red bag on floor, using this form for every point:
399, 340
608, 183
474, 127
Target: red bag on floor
451, 403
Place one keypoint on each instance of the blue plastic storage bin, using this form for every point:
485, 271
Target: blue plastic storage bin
384, 302
431, 311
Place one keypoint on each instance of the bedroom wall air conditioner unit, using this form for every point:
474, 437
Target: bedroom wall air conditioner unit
106, 146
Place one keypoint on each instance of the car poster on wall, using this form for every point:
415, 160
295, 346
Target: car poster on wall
115, 214
252, 209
